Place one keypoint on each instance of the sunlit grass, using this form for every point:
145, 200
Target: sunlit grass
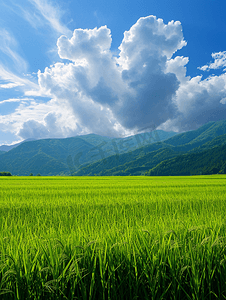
113, 237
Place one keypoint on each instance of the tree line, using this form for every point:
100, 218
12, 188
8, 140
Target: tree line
5, 174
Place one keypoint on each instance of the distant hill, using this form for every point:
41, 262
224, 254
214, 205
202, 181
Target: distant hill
47, 157
2, 152
66, 156
141, 160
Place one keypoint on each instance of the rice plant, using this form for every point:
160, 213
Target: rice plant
113, 237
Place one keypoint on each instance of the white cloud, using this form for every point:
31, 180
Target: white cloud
198, 102
107, 93
219, 62
54, 125
223, 101
94, 91
12, 80
51, 13
63, 82
39, 120
15, 100
150, 37
10, 85
34, 18
177, 66
144, 54
8, 46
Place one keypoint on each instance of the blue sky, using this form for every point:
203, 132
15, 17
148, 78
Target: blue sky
110, 67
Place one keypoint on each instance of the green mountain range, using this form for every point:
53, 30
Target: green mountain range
142, 160
154, 153
66, 156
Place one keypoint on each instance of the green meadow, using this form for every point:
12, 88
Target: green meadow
113, 237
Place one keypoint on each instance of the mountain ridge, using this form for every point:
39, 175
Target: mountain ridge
69, 154
148, 153
6, 148
197, 140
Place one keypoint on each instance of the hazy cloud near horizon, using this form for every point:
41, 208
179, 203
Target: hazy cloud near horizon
93, 90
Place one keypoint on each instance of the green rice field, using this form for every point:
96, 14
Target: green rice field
113, 237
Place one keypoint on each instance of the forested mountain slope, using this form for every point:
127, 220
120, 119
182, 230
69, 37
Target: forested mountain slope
66, 156
212, 161
156, 152
139, 161
7, 148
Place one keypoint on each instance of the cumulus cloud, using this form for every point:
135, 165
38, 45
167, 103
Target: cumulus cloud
177, 66
200, 101
112, 95
32, 128
219, 62
33, 119
144, 53
46, 129
53, 125
95, 91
